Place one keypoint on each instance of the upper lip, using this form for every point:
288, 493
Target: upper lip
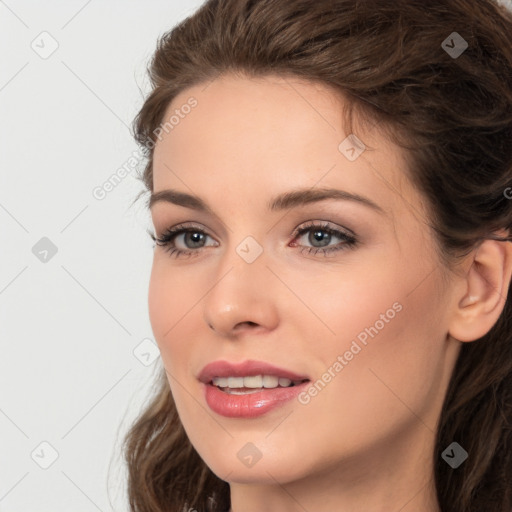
245, 369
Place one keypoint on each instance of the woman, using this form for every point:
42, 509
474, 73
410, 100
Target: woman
331, 187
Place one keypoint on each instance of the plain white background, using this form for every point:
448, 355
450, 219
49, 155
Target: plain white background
77, 353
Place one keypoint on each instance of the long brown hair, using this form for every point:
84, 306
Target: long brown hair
452, 114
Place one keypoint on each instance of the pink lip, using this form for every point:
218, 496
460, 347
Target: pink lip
245, 369
250, 405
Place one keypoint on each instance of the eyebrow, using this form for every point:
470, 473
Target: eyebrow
283, 201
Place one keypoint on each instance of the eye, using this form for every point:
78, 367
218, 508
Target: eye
193, 238
322, 234
189, 233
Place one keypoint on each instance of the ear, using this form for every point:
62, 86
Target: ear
485, 287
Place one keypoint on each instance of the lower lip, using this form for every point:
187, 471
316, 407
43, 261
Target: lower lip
250, 405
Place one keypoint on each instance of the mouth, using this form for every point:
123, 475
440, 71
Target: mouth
249, 389
249, 369
253, 383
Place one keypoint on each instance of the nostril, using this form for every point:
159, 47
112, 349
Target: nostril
242, 324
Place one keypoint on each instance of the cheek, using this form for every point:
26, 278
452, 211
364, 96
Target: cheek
166, 306
159, 295
169, 298
391, 340
172, 305
385, 318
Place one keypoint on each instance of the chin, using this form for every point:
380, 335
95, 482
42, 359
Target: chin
262, 472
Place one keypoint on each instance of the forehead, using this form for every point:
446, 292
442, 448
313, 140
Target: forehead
258, 136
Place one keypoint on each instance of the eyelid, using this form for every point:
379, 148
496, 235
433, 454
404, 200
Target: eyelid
167, 220
183, 227
296, 231
348, 240
326, 224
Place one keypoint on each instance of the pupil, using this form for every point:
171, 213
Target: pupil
196, 237
320, 234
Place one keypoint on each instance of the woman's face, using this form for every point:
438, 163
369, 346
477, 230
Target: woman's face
356, 303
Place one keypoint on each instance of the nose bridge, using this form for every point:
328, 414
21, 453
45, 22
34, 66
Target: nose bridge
240, 292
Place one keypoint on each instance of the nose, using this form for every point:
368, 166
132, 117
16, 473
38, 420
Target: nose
243, 298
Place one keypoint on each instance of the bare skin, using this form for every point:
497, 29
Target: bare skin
365, 441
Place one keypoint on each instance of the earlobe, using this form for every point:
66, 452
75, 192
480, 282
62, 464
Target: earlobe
486, 286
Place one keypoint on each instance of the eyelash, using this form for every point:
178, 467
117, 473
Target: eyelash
167, 238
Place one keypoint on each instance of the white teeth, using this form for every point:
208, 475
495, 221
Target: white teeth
270, 381
255, 381
235, 382
230, 391
252, 381
222, 382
